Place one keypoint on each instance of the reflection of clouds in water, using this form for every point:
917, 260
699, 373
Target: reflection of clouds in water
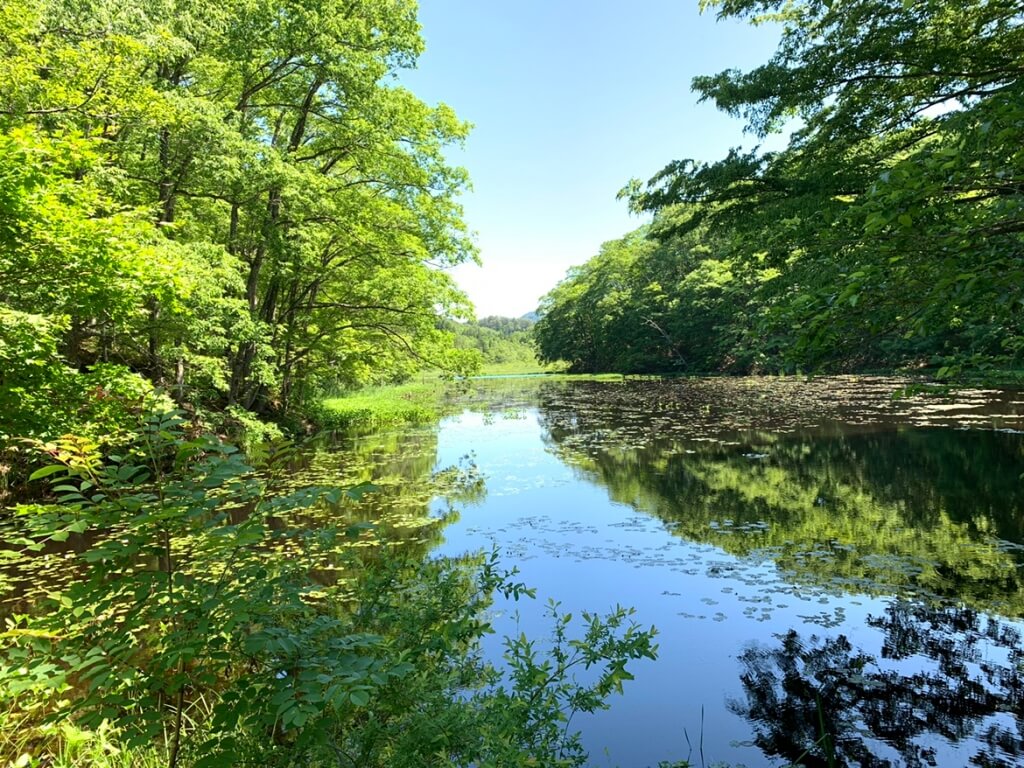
513, 485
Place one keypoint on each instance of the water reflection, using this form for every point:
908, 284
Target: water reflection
925, 511
960, 697
820, 540
747, 494
919, 505
400, 465
824, 493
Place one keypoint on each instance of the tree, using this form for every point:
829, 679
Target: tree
652, 302
230, 199
894, 213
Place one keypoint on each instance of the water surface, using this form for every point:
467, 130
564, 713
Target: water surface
811, 552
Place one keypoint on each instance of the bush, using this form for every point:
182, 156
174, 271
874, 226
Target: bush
195, 624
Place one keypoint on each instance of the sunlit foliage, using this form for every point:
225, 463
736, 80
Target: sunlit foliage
887, 232
232, 200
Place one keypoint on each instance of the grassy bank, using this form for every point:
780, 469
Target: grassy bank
421, 401
521, 367
416, 402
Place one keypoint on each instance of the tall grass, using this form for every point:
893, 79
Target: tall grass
64, 745
374, 407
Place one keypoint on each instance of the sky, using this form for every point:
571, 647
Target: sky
569, 100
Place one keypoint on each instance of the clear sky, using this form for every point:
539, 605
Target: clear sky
569, 100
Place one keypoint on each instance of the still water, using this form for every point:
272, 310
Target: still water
813, 554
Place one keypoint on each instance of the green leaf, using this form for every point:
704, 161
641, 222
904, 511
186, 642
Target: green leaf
48, 470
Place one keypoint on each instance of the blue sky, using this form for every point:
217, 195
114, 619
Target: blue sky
569, 100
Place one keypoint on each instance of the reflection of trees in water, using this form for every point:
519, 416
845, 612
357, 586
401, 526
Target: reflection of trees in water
883, 509
952, 674
922, 471
871, 512
399, 464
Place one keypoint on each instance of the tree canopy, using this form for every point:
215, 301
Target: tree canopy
234, 201
888, 231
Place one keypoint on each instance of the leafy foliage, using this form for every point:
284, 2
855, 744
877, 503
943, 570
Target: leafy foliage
645, 305
196, 622
498, 340
372, 408
232, 201
887, 233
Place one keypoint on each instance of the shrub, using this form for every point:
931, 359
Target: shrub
196, 624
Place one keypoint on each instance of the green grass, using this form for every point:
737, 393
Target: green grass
423, 400
417, 402
520, 367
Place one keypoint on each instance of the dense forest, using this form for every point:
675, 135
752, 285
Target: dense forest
888, 233
499, 340
233, 203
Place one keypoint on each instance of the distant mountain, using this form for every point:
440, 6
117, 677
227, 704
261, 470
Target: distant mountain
533, 317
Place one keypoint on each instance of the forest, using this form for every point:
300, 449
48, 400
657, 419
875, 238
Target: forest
232, 205
499, 340
886, 235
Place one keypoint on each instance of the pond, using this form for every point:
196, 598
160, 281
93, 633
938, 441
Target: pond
813, 553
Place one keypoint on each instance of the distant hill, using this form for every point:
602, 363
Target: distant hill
533, 317
500, 340
506, 326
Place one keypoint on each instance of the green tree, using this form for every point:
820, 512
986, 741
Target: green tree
893, 215
231, 199
656, 301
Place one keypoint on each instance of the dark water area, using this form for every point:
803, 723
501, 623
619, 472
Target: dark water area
818, 557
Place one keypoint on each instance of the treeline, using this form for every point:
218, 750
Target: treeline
888, 233
232, 202
497, 339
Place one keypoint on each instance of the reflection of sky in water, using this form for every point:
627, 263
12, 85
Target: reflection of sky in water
576, 546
